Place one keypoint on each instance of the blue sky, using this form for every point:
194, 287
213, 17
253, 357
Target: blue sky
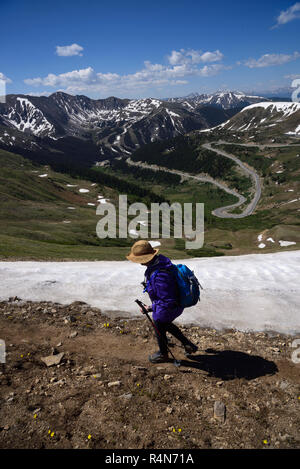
137, 49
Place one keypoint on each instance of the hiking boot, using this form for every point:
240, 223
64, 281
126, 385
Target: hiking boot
189, 349
158, 357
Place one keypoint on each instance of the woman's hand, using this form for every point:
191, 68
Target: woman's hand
148, 308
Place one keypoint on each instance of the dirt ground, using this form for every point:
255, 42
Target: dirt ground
103, 392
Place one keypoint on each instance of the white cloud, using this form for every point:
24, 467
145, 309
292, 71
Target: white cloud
4, 78
192, 56
68, 51
86, 75
175, 72
288, 15
210, 70
268, 60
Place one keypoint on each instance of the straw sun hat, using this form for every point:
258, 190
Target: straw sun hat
142, 252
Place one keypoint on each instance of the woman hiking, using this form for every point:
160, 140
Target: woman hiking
162, 288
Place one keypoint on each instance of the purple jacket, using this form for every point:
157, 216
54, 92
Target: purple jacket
163, 291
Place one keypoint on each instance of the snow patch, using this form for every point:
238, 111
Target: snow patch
247, 293
286, 243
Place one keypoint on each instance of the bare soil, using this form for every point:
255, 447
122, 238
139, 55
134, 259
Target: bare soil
104, 393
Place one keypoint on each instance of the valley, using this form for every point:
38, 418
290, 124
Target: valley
243, 177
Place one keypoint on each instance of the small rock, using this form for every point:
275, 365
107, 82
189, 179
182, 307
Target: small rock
73, 334
114, 383
60, 382
275, 349
126, 396
53, 359
169, 410
167, 377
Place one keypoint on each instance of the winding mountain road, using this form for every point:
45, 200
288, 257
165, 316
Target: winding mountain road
221, 212
224, 212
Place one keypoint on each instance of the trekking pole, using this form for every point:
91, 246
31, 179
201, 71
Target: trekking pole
143, 306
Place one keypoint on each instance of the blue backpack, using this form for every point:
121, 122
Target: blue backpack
188, 284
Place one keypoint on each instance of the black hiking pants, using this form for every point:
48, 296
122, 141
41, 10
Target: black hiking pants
161, 328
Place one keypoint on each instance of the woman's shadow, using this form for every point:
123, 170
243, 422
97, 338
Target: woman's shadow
229, 364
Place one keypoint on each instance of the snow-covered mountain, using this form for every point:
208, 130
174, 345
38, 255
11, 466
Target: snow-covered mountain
222, 99
112, 127
116, 126
276, 117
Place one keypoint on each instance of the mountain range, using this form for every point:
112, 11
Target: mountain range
91, 130
114, 125
221, 99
